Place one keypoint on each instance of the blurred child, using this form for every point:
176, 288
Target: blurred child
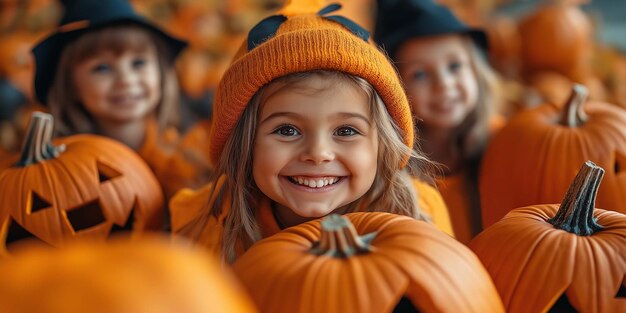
108, 71
309, 119
451, 89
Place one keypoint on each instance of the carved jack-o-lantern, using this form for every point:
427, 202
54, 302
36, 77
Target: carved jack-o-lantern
559, 258
87, 187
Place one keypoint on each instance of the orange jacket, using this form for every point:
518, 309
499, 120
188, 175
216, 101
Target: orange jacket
187, 204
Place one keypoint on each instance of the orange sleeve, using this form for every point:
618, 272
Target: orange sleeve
431, 202
188, 206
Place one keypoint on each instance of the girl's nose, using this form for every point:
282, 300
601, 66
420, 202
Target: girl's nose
443, 80
318, 149
126, 75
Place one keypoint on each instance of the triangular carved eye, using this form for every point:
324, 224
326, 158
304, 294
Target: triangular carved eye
562, 305
405, 306
621, 291
37, 203
106, 172
86, 216
17, 233
128, 226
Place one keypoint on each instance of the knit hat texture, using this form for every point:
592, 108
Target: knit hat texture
302, 38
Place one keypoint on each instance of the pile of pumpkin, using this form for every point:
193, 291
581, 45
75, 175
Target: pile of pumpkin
533, 256
537, 258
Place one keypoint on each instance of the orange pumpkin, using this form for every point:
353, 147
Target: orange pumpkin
326, 266
547, 86
123, 276
535, 156
16, 60
557, 37
504, 45
550, 86
83, 186
188, 166
567, 258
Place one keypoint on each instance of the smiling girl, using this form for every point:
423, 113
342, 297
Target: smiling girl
302, 131
453, 95
108, 71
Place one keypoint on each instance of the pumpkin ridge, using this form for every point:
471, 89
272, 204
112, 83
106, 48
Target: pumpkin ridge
544, 232
522, 283
433, 265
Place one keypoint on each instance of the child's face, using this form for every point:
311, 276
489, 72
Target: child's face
119, 88
316, 147
440, 79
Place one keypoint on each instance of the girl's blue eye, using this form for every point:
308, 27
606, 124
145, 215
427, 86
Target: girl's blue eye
101, 68
287, 131
455, 66
346, 131
420, 75
139, 62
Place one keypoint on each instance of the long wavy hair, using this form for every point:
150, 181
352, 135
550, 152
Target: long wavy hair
71, 117
391, 190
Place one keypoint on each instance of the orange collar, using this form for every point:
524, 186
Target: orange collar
265, 216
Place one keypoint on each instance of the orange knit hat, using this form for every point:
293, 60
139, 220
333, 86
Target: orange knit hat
300, 39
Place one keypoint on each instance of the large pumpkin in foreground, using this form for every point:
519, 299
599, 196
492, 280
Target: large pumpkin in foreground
535, 156
92, 187
400, 263
145, 275
551, 258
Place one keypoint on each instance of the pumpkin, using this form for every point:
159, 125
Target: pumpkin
504, 44
547, 86
188, 166
122, 276
550, 86
16, 61
557, 37
83, 186
559, 258
535, 156
193, 67
330, 266
618, 80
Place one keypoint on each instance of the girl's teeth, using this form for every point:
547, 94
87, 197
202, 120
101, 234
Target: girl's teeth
315, 183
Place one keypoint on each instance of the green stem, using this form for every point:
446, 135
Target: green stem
37, 145
340, 239
575, 214
573, 114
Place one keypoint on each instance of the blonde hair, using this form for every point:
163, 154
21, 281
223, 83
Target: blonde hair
474, 132
391, 191
70, 115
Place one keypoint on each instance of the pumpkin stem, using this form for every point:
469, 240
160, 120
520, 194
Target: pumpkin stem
37, 145
573, 114
575, 214
340, 239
